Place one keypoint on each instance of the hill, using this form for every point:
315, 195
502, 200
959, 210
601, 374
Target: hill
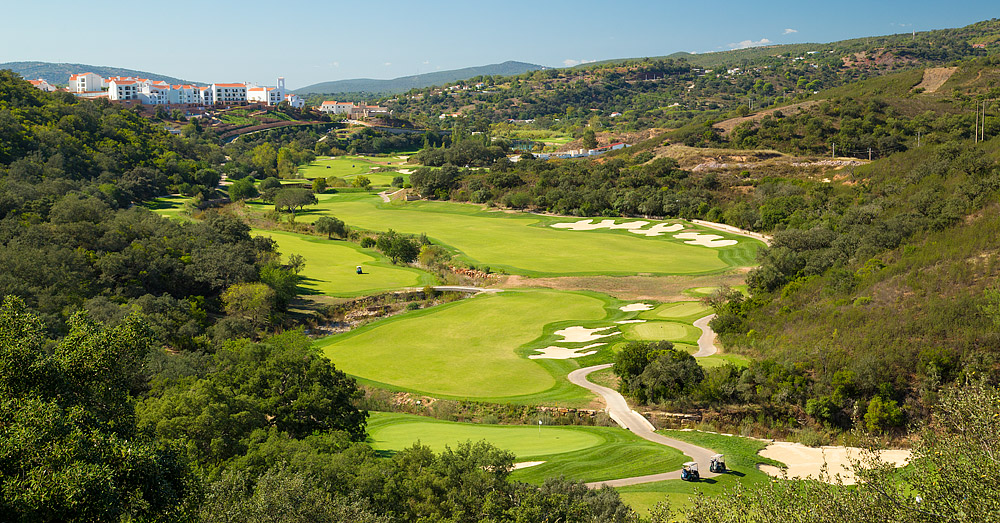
405, 83
58, 73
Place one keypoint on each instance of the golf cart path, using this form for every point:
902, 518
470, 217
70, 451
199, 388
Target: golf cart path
631, 420
706, 342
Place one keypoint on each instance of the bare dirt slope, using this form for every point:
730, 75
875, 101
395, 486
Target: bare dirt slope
727, 126
935, 77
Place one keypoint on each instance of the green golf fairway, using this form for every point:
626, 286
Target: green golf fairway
508, 240
661, 330
686, 311
169, 206
575, 452
341, 167
398, 431
330, 266
466, 348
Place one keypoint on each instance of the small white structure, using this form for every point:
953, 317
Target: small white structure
42, 84
295, 101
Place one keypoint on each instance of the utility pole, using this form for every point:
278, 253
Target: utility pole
869, 154
976, 140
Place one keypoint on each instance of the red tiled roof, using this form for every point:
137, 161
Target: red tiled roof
230, 85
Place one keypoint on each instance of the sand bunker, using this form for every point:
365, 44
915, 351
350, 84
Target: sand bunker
562, 353
589, 225
632, 307
806, 461
406, 171
583, 335
624, 322
660, 229
526, 464
705, 240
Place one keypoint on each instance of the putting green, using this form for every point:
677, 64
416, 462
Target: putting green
661, 330
524, 243
686, 311
330, 266
462, 349
575, 452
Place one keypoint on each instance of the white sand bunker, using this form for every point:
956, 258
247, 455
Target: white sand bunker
659, 229
632, 307
562, 353
406, 171
526, 464
589, 225
582, 334
806, 461
705, 240
624, 322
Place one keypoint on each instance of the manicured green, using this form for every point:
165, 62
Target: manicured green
469, 348
524, 243
576, 452
741, 458
684, 311
330, 266
661, 330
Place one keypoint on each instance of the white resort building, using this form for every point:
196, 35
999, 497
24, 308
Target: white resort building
158, 92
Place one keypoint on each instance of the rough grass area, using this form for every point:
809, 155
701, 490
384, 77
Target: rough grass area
578, 453
474, 348
521, 243
330, 266
741, 458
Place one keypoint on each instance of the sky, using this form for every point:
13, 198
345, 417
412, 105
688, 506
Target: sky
311, 41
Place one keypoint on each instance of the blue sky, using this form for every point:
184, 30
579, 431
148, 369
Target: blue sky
310, 41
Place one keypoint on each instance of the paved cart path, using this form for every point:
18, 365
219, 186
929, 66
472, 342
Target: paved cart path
629, 419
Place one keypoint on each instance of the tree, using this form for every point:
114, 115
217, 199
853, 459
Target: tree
294, 199
255, 302
69, 445
319, 185
397, 247
589, 140
361, 181
242, 189
330, 225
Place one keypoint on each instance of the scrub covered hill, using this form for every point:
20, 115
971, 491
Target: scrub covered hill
59, 73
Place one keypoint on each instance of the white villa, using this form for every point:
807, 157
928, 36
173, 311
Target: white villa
43, 85
349, 108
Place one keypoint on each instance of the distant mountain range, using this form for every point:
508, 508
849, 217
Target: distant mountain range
405, 83
59, 73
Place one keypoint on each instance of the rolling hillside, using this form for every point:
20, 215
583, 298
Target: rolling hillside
58, 73
405, 83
